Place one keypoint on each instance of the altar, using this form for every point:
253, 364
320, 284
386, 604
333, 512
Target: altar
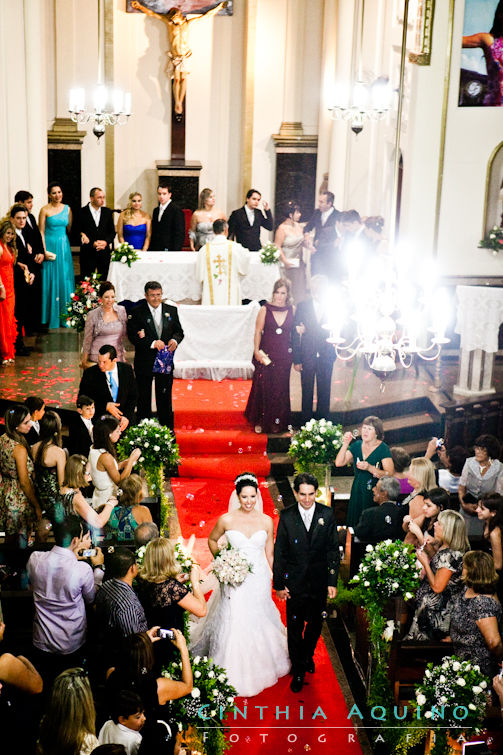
218, 342
176, 273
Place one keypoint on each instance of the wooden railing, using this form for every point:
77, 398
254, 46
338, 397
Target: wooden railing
468, 418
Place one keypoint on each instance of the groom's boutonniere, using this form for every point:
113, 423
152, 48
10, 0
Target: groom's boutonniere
321, 521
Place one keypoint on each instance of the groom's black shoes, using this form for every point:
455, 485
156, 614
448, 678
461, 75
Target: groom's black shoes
297, 682
310, 666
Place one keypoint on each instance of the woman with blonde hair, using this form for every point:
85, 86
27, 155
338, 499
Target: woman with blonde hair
128, 513
73, 503
421, 476
201, 222
162, 594
441, 584
268, 407
69, 724
134, 225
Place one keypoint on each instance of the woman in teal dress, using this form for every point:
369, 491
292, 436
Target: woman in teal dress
58, 281
371, 459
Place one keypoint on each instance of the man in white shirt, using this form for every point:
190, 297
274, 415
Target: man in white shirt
305, 569
112, 386
168, 223
97, 232
220, 266
324, 259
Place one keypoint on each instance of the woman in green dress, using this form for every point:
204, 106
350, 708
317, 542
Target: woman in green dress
371, 459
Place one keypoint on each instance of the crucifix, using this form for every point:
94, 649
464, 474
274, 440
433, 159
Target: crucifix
179, 50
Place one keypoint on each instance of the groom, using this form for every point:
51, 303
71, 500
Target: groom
306, 565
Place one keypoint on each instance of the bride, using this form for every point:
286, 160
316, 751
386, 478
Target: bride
243, 631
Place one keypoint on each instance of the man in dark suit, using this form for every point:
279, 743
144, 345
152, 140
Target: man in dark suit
97, 233
168, 223
36, 405
24, 279
325, 255
306, 565
245, 223
313, 357
112, 386
152, 328
80, 427
384, 520
33, 238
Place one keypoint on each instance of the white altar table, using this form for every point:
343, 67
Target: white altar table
176, 272
218, 342
479, 316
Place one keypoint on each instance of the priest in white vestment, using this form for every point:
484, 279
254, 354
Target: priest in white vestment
220, 265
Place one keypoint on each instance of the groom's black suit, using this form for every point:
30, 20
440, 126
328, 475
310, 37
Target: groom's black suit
306, 562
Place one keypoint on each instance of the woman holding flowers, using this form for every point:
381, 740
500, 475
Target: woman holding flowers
476, 620
268, 406
106, 472
441, 584
105, 325
243, 631
371, 459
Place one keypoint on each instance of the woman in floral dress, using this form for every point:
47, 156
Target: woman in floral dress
19, 507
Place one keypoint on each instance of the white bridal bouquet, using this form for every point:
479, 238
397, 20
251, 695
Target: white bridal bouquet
230, 567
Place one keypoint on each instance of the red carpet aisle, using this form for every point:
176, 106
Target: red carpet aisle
216, 444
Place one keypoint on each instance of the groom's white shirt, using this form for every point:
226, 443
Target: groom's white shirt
307, 515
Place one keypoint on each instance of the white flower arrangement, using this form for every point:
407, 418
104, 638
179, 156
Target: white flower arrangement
388, 569
316, 442
125, 253
156, 443
448, 688
231, 567
269, 254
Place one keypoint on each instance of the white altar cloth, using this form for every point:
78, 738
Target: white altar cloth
176, 272
218, 342
479, 316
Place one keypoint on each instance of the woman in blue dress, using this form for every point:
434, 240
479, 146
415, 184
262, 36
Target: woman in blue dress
58, 280
134, 225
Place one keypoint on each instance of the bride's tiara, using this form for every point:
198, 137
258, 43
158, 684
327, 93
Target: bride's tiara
246, 476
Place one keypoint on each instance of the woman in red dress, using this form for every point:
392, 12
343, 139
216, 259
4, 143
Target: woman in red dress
8, 256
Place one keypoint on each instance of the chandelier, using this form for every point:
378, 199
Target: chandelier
387, 314
108, 108
361, 102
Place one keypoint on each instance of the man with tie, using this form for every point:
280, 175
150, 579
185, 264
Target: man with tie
24, 278
168, 223
112, 386
97, 232
305, 569
33, 237
312, 356
325, 259
245, 223
154, 329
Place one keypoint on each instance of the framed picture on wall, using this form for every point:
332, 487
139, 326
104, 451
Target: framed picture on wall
187, 7
480, 82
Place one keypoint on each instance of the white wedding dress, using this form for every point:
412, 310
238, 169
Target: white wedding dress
243, 631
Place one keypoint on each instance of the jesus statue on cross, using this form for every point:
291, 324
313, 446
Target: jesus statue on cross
179, 48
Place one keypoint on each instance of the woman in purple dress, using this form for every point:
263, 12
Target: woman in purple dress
106, 324
268, 405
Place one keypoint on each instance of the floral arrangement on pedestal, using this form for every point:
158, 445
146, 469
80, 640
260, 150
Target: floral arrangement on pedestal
314, 447
494, 240
83, 300
159, 450
388, 570
201, 712
230, 566
269, 254
125, 253
451, 702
